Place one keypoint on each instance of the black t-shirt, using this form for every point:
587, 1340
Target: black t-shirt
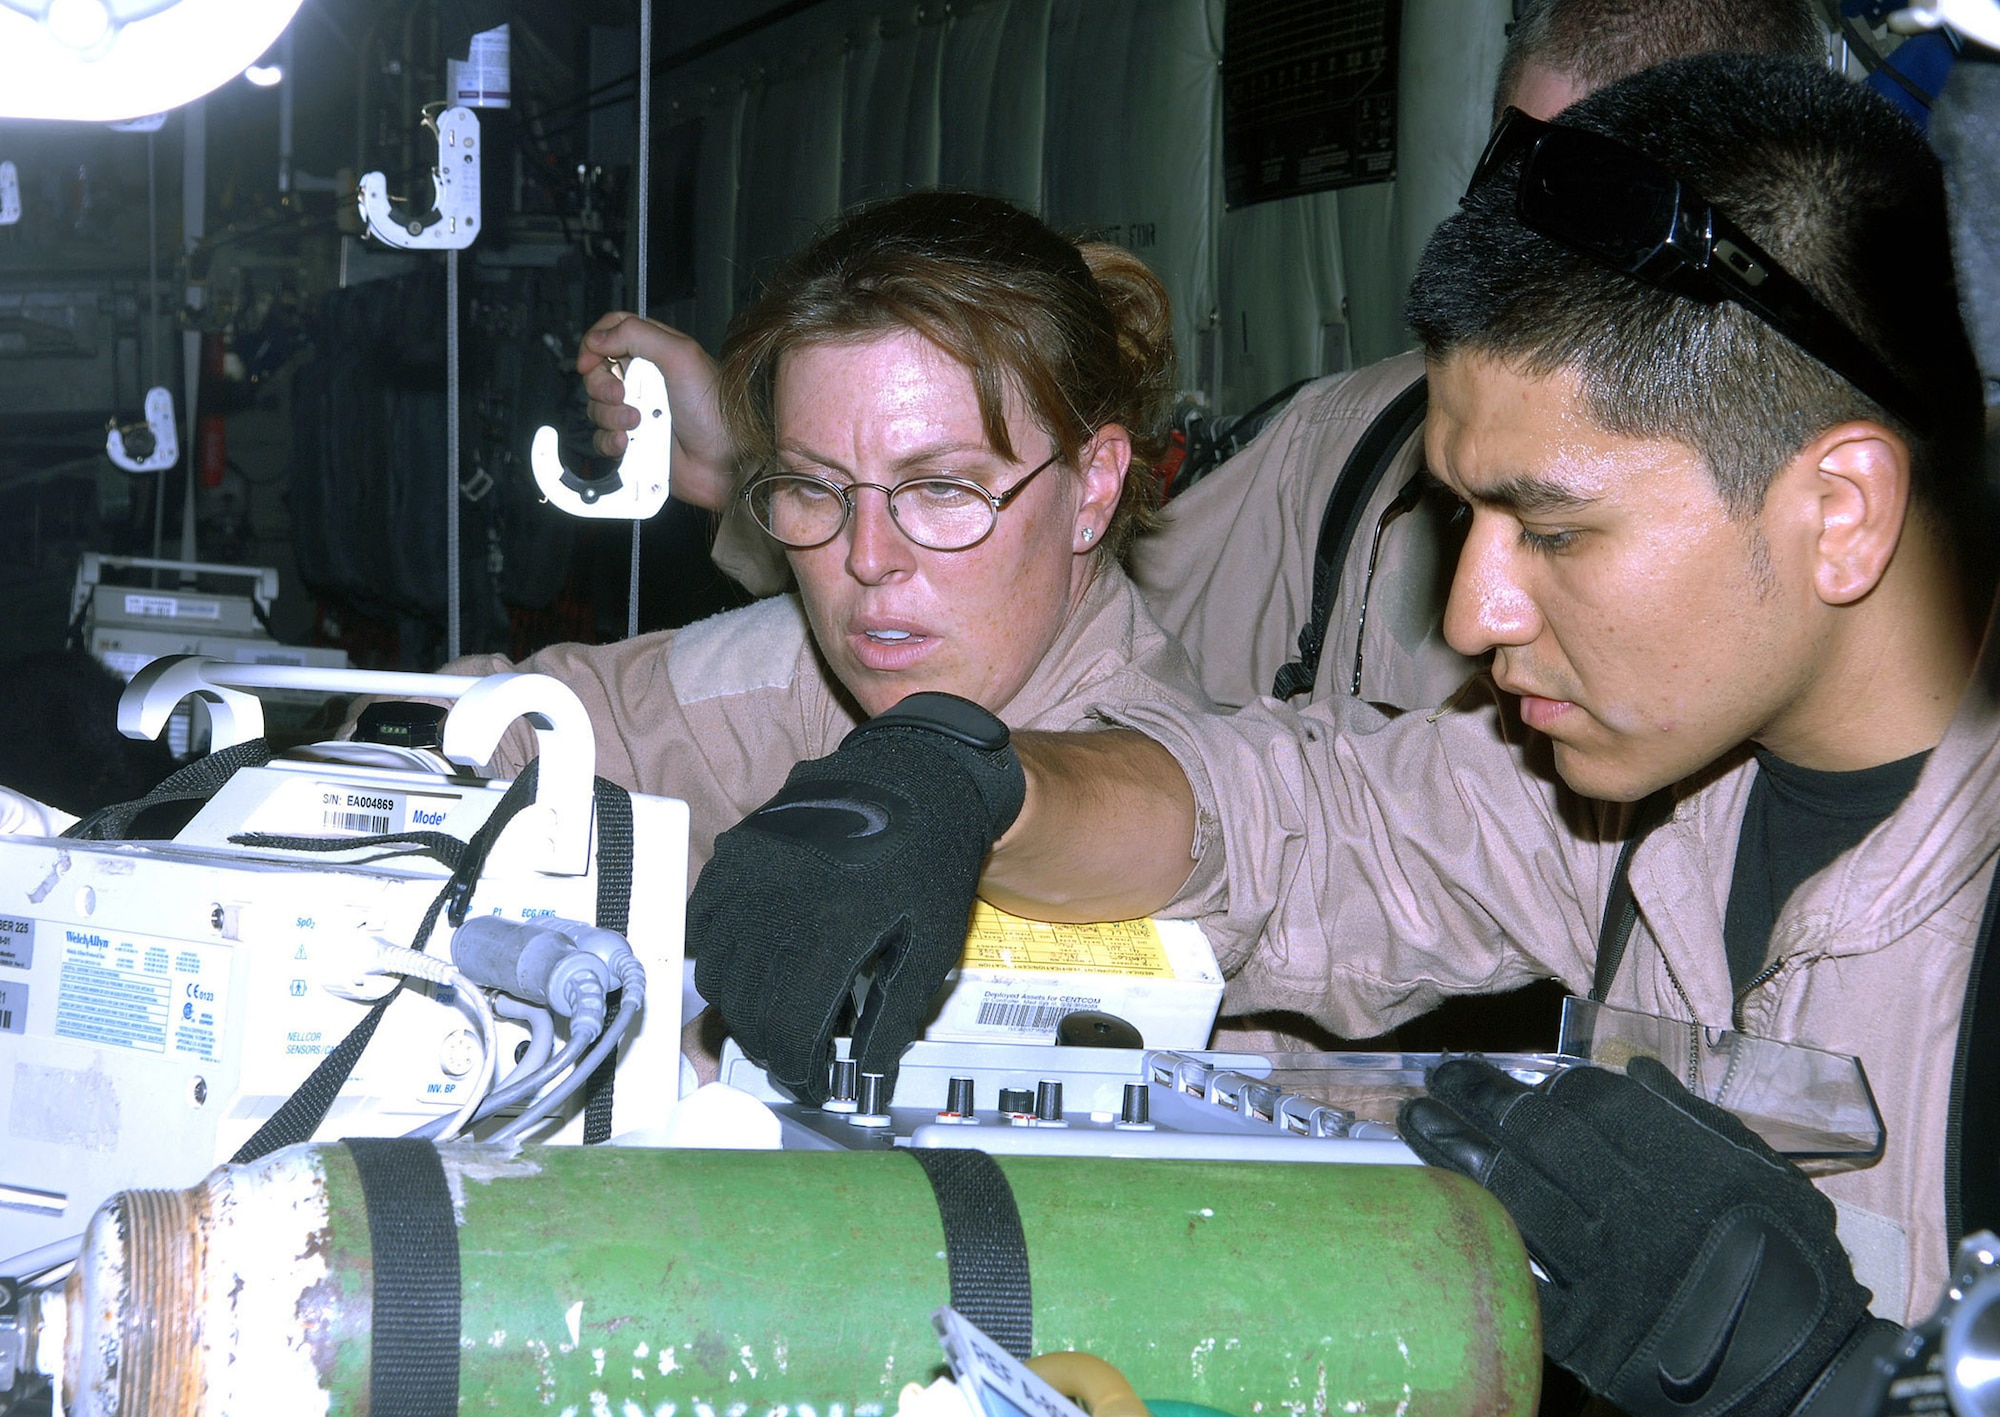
1797, 822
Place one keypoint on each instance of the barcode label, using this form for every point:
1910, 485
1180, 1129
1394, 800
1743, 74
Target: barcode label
14, 1009
6, 1020
366, 822
1029, 1013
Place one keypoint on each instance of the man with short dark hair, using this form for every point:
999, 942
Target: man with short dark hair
1561, 50
1698, 377
1232, 569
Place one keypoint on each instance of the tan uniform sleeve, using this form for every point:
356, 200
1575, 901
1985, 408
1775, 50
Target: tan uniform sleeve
1358, 869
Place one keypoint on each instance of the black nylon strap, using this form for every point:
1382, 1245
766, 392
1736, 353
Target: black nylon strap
1972, 1130
301, 1113
197, 782
1621, 909
986, 1252
413, 1237
1360, 475
444, 847
471, 866
614, 912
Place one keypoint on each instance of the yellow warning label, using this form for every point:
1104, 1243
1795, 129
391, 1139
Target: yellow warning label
998, 940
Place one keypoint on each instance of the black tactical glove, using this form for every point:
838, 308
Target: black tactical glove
1692, 1271
867, 859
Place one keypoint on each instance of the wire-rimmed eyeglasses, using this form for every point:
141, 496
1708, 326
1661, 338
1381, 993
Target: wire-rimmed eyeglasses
1616, 206
943, 513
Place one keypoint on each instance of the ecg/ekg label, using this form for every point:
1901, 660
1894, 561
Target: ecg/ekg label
997, 940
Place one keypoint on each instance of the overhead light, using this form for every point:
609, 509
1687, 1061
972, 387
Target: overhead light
108, 60
264, 76
80, 24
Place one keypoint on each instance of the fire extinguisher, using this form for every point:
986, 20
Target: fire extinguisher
211, 434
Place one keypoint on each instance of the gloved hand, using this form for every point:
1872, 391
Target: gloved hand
868, 858
1692, 1271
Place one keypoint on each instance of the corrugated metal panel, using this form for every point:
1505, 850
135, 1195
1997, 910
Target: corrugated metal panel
1284, 286
1133, 91
1103, 114
1287, 266
790, 161
716, 186
992, 100
891, 140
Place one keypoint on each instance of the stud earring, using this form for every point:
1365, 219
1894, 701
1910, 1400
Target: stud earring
1087, 534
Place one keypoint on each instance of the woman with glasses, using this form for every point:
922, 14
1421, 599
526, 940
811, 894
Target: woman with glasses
942, 412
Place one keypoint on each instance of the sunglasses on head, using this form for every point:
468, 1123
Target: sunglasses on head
1619, 208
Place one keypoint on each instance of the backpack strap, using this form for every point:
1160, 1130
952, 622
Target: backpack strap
1972, 1125
1621, 908
1212, 442
1360, 475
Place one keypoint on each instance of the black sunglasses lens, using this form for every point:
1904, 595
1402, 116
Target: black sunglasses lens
1515, 133
1582, 189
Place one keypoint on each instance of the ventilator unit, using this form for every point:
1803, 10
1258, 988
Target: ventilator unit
159, 1000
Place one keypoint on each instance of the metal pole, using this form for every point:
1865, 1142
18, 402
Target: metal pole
153, 329
285, 87
451, 634
194, 193
642, 203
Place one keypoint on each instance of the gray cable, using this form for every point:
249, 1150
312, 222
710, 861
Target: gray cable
628, 1010
583, 1033
451, 632
43, 1259
644, 205
517, 1086
541, 1032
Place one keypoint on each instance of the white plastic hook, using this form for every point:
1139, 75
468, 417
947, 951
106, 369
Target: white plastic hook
453, 220
166, 447
566, 786
559, 830
637, 487
157, 689
10, 194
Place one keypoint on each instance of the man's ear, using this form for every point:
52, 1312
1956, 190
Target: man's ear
1104, 462
1862, 480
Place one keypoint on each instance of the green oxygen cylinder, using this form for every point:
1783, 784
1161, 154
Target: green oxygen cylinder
669, 1283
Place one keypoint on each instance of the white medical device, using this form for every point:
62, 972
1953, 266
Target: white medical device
127, 626
160, 1000
453, 219
637, 487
